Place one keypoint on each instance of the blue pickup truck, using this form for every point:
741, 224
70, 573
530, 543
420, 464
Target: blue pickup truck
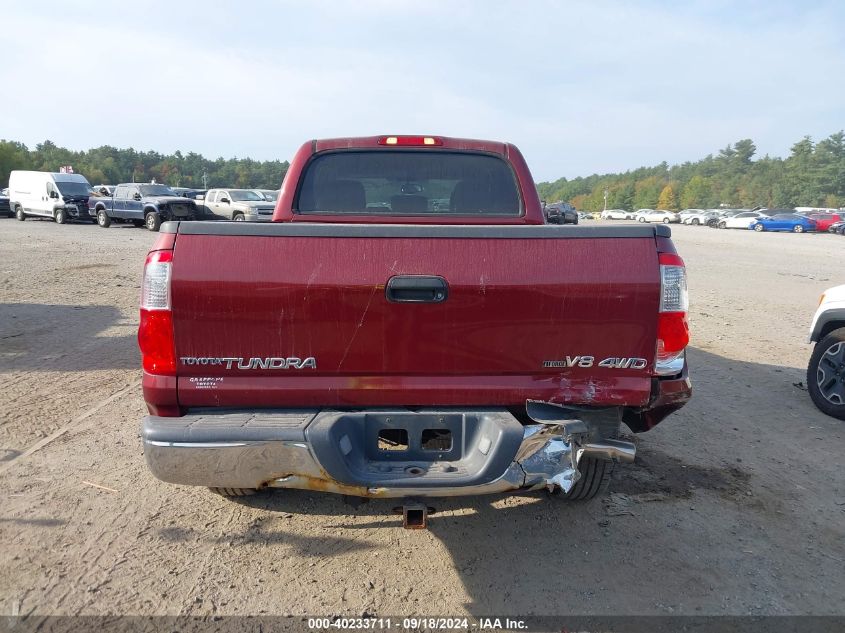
142, 204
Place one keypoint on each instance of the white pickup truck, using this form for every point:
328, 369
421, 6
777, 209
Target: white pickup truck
240, 205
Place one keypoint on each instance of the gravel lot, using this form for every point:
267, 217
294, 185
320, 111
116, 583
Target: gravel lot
736, 505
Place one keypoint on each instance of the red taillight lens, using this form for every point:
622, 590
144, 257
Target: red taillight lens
410, 140
155, 333
155, 338
672, 334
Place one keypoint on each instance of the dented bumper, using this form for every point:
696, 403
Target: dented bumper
334, 451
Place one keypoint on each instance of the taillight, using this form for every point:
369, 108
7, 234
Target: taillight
410, 140
155, 333
672, 325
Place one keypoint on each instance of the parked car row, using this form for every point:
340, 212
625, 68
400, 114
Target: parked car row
64, 197
799, 220
760, 220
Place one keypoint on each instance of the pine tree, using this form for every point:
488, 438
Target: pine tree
696, 194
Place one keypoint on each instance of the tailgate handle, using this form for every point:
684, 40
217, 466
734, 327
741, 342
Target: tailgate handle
416, 289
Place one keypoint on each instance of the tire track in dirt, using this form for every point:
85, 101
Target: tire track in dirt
67, 427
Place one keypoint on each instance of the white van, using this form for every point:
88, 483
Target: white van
49, 195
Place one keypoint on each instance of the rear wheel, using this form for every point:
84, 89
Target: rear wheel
103, 218
641, 219
594, 480
234, 492
19, 214
60, 216
826, 374
797, 229
595, 475
722, 225
665, 220
695, 222
153, 221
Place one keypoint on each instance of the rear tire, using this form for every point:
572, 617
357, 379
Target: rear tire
594, 481
103, 218
595, 474
797, 229
234, 492
722, 225
665, 220
19, 214
695, 222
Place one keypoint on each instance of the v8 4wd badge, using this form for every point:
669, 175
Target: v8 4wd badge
589, 361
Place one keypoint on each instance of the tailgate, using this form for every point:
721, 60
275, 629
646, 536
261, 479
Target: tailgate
525, 311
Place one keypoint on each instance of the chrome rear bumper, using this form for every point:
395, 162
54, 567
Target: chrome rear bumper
282, 449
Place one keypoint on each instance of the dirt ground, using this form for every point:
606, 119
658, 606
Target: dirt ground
736, 505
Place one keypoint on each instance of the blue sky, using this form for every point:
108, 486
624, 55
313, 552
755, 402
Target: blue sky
579, 87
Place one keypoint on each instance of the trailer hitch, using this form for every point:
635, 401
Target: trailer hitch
414, 514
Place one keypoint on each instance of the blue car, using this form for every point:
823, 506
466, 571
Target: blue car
784, 222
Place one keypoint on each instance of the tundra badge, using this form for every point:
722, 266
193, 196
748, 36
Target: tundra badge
291, 362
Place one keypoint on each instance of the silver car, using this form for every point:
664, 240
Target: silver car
700, 218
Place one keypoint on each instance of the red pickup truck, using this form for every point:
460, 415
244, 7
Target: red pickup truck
407, 326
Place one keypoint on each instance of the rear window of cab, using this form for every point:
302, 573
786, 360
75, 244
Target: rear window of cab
409, 183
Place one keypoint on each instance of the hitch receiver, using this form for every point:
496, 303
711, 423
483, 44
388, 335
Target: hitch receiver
414, 515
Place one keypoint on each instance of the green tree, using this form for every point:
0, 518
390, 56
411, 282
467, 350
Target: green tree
13, 156
696, 194
742, 152
622, 197
647, 192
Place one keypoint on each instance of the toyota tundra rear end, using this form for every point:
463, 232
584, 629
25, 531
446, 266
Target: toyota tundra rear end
407, 326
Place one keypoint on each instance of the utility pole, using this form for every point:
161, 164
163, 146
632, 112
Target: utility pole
605, 199
205, 180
